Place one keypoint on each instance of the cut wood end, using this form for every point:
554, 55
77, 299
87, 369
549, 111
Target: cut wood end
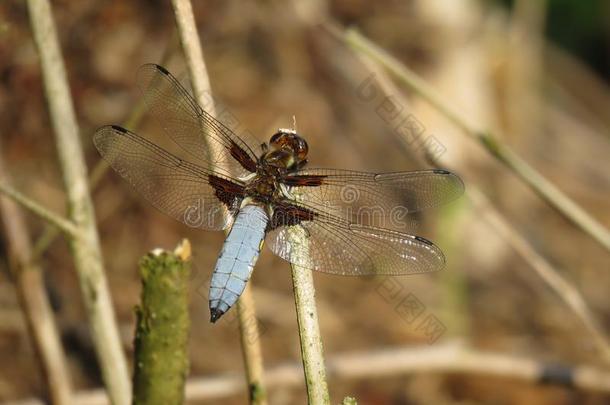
183, 250
157, 252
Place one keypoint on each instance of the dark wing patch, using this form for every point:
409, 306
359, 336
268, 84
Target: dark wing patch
304, 180
226, 191
286, 214
242, 157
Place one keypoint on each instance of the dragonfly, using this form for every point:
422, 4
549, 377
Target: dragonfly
200, 172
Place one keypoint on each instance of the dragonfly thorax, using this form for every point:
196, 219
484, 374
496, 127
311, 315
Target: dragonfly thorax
264, 186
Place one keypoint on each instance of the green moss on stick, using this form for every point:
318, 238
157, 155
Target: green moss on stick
161, 359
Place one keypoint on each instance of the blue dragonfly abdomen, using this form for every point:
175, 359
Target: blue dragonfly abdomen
237, 259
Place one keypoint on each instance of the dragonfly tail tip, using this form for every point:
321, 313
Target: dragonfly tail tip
215, 314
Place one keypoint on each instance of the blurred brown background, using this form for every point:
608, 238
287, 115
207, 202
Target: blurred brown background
537, 72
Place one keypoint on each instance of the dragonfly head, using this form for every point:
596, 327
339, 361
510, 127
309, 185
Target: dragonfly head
288, 150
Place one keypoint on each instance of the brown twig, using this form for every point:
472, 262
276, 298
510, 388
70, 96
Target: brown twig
86, 248
550, 275
566, 291
57, 220
525, 68
251, 348
526, 173
448, 358
96, 174
34, 300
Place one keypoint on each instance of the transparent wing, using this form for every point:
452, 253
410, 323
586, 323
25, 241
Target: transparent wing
378, 200
188, 192
332, 245
205, 140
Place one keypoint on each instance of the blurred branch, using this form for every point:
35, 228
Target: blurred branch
551, 194
525, 68
50, 232
191, 45
580, 88
566, 291
392, 362
161, 338
86, 248
250, 336
551, 276
251, 349
454, 285
57, 220
34, 301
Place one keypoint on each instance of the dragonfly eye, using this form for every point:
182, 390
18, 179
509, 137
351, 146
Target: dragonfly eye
278, 139
301, 148
288, 139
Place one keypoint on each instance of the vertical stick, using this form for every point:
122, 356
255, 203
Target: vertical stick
97, 173
312, 352
161, 342
525, 69
34, 301
86, 248
253, 358
309, 333
191, 45
250, 336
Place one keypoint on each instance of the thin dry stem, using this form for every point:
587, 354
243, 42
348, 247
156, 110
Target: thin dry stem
550, 275
34, 301
312, 352
57, 220
566, 291
191, 45
525, 67
253, 358
50, 232
545, 189
86, 249
448, 358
